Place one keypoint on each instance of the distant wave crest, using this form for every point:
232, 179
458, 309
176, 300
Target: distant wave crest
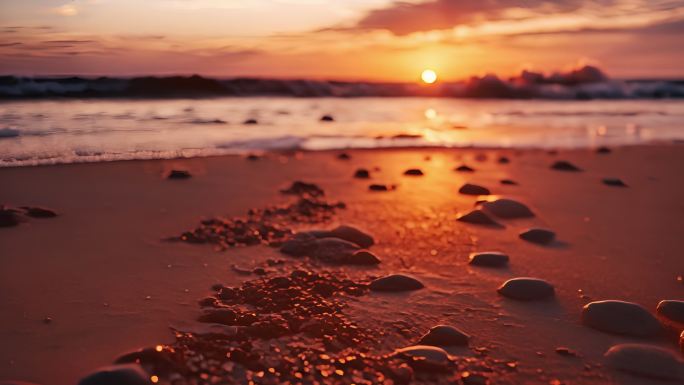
587, 82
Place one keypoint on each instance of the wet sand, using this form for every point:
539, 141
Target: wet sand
109, 282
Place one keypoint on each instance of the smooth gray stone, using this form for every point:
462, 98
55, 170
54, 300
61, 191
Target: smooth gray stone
507, 208
645, 361
488, 259
538, 236
431, 354
396, 282
620, 317
478, 217
526, 289
444, 335
473, 189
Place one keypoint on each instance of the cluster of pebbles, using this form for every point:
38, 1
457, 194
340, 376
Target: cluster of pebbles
293, 328
270, 226
609, 316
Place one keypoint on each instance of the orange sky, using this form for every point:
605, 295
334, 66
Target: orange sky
352, 39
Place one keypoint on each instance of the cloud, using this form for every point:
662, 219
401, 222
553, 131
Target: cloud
515, 17
66, 10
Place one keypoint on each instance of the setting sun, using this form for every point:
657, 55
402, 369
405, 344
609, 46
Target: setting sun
429, 76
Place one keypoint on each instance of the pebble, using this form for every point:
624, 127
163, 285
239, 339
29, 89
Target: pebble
363, 257
8, 218
526, 289
507, 208
620, 317
253, 157
414, 172
362, 173
396, 282
38, 212
250, 121
352, 234
488, 259
344, 156
303, 189
563, 165
478, 217
603, 150
129, 374
614, 182
327, 118
378, 187
504, 160
563, 351
673, 310
539, 236
473, 189
508, 182
432, 354
444, 335
645, 361
333, 250
464, 168
178, 174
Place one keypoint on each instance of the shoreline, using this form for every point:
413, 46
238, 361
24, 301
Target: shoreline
438, 148
617, 243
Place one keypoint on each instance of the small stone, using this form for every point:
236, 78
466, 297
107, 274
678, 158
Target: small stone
614, 182
352, 234
526, 289
413, 172
250, 121
620, 317
128, 374
563, 165
343, 156
363, 257
47, 320
488, 259
478, 217
333, 250
645, 361
396, 282
38, 212
539, 236
473, 189
327, 118
362, 173
563, 351
178, 174
673, 310
508, 182
507, 208
253, 157
444, 335
504, 160
464, 168
432, 354
603, 150
378, 187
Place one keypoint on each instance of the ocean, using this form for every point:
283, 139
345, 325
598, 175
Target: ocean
53, 131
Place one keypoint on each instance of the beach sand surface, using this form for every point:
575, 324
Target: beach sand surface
103, 274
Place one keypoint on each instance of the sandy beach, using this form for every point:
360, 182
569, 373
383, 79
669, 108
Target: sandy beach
101, 278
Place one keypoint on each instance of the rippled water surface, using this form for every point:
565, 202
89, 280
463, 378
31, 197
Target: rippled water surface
64, 131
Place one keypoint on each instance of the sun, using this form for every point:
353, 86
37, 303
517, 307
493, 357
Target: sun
429, 76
